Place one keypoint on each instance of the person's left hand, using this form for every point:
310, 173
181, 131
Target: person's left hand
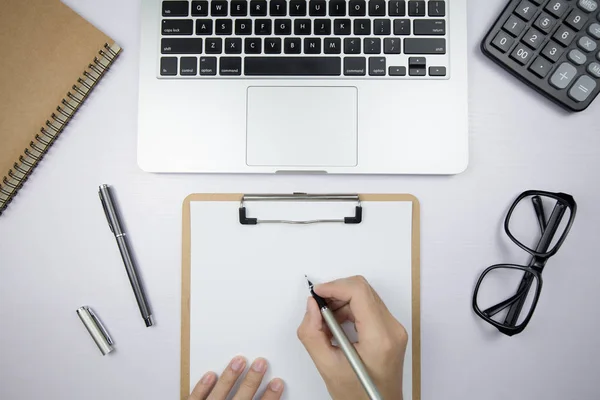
209, 388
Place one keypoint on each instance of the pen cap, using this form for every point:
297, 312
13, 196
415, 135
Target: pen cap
96, 329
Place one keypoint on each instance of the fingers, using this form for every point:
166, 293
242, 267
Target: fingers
252, 380
313, 335
204, 386
344, 314
356, 292
274, 390
228, 379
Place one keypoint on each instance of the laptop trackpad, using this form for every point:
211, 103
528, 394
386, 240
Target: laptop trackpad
302, 126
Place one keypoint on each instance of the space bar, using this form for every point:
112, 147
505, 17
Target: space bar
297, 66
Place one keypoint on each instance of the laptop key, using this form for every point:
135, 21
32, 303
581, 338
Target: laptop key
233, 46
332, 46
355, 66
342, 27
272, 46
397, 71
312, 45
372, 46
292, 46
292, 66
302, 26
230, 66
437, 71
177, 27
253, 45
258, 8
200, 8
208, 66
181, 46
317, 8
239, 8
416, 8
262, 27
188, 66
357, 8
322, 27
168, 66
218, 8
382, 27
213, 46
391, 45
298, 8
430, 27
402, 27
243, 26
278, 8
437, 8
377, 66
204, 27
337, 8
175, 8
424, 46
397, 8
352, 46
223, 27
377, 8
283, 26
362, 26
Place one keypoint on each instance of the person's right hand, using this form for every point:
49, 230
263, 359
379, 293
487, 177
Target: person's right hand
381, 343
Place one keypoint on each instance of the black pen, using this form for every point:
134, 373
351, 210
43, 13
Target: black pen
347, 348
114, 223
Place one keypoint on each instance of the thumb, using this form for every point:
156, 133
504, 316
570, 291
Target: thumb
313, 335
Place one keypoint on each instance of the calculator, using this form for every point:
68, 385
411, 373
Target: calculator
552, 46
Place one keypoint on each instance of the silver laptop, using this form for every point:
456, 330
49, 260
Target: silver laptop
310, 86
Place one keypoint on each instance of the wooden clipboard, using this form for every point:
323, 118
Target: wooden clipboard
186, 276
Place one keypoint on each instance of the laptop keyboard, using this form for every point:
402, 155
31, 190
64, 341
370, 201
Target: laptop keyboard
376, 39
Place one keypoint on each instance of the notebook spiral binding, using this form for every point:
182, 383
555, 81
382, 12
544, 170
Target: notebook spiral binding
38, 148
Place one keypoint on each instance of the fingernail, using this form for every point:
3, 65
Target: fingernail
208, 378
276, 385
259, 365
238, 364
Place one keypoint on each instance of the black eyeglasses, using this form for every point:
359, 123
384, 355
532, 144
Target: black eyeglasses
495, 299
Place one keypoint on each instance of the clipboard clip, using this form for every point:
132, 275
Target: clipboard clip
356, 219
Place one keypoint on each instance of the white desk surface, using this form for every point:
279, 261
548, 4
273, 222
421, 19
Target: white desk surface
56, 252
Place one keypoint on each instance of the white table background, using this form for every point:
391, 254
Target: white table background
56, 252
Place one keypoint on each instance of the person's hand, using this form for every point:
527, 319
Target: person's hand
211, 388
381, 343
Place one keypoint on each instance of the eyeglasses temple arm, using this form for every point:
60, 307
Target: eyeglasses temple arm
490, 312
538, 206
553, 223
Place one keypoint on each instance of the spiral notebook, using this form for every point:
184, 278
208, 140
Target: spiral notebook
243, 285
51, 60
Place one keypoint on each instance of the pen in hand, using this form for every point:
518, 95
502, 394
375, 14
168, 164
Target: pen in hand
347, 348
115, 225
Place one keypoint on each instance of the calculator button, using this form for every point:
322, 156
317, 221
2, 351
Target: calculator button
557, 7
563, 76
594, 69
533, 38
594, 30
587, 44
541, 67
514, 26
564, 36
576, 19
552, 51
503, 42
577, 57
545, 22
582, 89
537, 2
526, 10
588, 5
522, 54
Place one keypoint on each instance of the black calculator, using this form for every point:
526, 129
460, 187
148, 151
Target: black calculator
551, 45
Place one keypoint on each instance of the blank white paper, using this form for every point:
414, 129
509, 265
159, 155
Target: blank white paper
248, 291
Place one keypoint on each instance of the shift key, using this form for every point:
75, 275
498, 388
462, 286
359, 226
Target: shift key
424, 46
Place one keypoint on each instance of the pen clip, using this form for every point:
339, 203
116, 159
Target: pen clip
100, 325
104, 207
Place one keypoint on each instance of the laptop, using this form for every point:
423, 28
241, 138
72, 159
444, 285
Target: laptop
303, 86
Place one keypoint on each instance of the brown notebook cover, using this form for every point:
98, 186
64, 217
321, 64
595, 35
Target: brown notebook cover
51, 60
